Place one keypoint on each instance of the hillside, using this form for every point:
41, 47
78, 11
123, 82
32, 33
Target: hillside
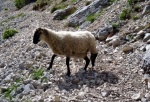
122, 30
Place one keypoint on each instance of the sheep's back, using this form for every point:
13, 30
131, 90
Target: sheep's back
76, 43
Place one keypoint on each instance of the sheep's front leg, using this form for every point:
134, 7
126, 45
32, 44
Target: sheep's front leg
87, 62
51, 63
68, 68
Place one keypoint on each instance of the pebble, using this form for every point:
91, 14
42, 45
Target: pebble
57, 98
80, 95
147, 95
146, 37
2, 65
105, 93
136, 96
127, 48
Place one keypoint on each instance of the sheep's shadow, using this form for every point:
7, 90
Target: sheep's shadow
90, 78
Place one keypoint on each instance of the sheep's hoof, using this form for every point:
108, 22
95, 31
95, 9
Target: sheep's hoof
91, 69
48, 68
68, 74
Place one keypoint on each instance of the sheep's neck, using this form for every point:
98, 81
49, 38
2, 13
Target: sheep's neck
51, 39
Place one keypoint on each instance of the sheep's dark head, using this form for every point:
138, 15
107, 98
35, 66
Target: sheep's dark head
37, 34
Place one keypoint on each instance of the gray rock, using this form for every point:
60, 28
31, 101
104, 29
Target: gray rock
148, 41
2, 65
27, 88
143, 99
81, 95
136, 96
147, 95
141, 32
146, 37
85, 24
147, 47
146, 10
75, 81
26, 81
3, 100
146, 62
105, 93
62, 13
36, 84
9, 77
114, 41
80, 15
22, 66
139, 35
103, 33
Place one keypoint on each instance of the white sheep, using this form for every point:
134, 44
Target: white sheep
71, 44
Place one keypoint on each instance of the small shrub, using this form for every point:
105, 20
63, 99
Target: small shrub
58, 6
135, 17
87, 3
74, 1
130, 2
7, 92
9, 33
37, 74
40, 4
68, 12
133, 2
137, 8
63, 0
21, 3
6, 9
125, 14
93, 17
115, 27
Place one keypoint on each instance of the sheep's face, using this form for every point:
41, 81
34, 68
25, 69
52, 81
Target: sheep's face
37, 34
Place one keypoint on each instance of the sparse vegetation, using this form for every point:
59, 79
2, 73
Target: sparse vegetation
115, 27
37, 73
87, 3
125, 14
9, 33
7, 91
135, 17
93, 17
63, 0
68, 12
129, 12
73, 1
40, 4
58, 6
21, 3
11, 18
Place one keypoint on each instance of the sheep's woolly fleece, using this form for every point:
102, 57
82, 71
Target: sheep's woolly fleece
71, 44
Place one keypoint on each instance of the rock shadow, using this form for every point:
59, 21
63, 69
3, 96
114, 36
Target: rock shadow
90, 78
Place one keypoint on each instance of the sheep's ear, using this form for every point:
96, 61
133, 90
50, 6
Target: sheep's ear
45, 31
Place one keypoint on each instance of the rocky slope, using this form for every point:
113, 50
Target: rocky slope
117, 76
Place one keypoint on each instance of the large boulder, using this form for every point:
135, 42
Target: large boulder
103, 32
63, 13
80, 15
146, 62
146, 9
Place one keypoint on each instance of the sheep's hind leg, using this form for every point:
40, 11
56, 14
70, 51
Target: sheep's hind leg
93, 57
68, 68
51, 63
87, 62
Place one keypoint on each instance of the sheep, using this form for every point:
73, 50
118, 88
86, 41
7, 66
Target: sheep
70, 44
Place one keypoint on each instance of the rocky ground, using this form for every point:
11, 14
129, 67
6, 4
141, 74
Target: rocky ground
117, 76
